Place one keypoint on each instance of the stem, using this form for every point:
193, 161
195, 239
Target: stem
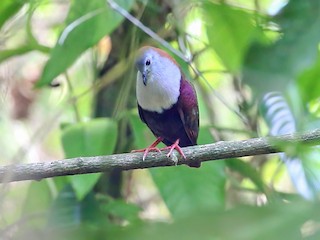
74, 101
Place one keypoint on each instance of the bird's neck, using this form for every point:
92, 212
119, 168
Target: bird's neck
161, 92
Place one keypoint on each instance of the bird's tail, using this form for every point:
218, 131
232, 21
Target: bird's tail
194, 164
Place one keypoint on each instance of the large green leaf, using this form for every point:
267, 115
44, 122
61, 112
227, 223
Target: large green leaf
86, 24
88, 218
272, 68
230, 32
291, 220
67, 211
96, 137
186, 190
38, 200
8, 8
274, 221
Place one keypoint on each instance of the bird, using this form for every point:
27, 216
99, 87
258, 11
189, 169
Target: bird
167, 102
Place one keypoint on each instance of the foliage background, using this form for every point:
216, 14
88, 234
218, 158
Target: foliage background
261, 57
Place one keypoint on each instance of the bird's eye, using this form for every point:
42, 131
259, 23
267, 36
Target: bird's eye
148, 62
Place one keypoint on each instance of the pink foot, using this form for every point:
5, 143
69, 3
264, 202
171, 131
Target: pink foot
152, 147
174, 146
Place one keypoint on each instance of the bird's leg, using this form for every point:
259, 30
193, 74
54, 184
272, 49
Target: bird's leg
152, 147
175, 146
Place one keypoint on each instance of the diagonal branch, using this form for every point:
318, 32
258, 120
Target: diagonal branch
128, 161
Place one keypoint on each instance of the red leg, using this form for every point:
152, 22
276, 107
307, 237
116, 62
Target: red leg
152, 147
175, 146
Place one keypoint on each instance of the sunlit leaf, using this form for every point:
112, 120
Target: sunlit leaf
309, 82
230, 32
8, 8
86, 24
272, 68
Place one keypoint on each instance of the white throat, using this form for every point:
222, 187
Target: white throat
163, 86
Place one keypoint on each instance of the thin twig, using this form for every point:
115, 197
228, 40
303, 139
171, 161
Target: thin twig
73, 103
147, 30
128, 161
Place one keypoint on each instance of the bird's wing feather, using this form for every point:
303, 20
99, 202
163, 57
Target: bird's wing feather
141, 114
188, 110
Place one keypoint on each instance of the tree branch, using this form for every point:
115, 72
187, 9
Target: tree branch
128, 161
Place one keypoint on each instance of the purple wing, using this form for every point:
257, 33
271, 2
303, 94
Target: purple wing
140, 110
188, 110
181, 121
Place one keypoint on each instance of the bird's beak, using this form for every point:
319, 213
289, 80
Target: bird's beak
144, 78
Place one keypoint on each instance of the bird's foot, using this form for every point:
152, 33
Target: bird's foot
146, 151
152, 147
174, 146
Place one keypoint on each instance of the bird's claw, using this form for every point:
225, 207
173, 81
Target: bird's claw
174, 146
146, 151
152, 147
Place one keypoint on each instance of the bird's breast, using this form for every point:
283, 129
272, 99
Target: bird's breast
156, 95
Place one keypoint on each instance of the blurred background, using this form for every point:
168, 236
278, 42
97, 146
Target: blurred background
67, 84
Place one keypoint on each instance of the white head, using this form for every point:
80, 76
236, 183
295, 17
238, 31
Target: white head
158, 79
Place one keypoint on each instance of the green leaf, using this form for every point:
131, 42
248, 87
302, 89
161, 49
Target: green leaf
273, 221
86, 24
39, 204
311, 165
230, 32
246, 170
94, 216
96, 137
290, 220
67, 211
186, 190
118, 208
309, 82
5, 54
272, 68
83, 184
8, 8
